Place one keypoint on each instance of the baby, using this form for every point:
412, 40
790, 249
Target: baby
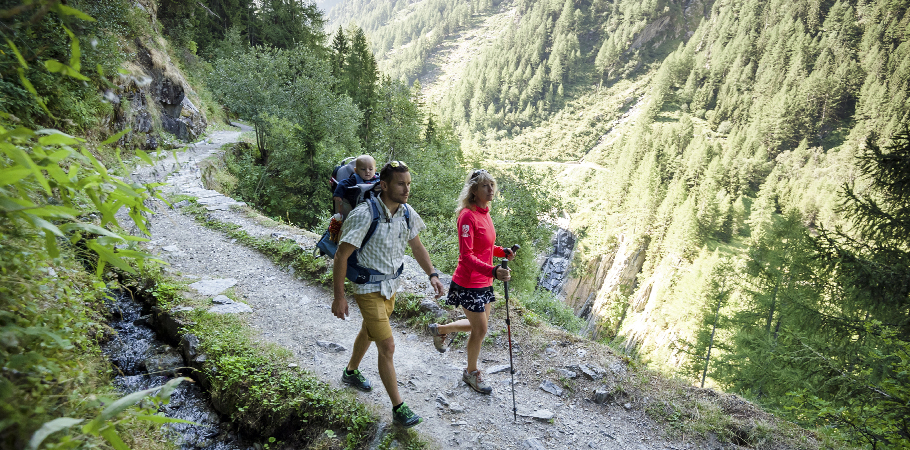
355, 188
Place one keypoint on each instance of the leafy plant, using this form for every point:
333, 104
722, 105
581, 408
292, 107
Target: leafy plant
105, 423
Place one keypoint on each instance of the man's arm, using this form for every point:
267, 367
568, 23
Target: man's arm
339, 269
423, 258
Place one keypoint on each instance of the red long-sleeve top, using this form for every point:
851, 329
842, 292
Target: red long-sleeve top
476, 249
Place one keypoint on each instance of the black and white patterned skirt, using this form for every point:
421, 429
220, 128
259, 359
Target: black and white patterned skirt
471, 299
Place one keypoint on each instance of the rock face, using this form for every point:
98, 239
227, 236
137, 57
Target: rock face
608, 279
555, 269
155, 98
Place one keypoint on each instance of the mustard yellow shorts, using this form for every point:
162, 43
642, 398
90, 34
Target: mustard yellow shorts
376, 310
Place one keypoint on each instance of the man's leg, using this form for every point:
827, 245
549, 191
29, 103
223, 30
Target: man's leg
361, 345
387, 369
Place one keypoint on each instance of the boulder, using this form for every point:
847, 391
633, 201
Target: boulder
164, 360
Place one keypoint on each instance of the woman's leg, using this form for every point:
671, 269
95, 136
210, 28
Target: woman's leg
478, 325
459, 325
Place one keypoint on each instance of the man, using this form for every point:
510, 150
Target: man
383, 252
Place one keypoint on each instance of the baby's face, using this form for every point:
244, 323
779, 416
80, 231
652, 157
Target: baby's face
366, 170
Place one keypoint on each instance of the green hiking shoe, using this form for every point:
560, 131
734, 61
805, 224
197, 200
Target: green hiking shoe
405, 417
356, 379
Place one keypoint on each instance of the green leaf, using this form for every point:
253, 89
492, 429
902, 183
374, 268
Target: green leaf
115, 408
55, 212
18, 55
31, 88
68, 11
50, 244
169, 387
50, 428
109, 434
44, 225
144, 156
54, 137
59, 155
163, 419
58, 67
12, 175
107, 255
13, 204
115, 137
91, 228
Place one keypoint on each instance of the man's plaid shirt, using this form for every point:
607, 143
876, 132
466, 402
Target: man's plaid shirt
385, 249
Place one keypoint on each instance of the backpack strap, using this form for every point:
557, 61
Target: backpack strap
361, 275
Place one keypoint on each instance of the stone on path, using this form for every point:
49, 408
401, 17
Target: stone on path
337, 348
543, 415
222, 300
551, 387
602, 396
498, 369
171, 248
211, 288
532, 444
231, 308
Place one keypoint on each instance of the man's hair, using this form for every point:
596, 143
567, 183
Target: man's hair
390, 169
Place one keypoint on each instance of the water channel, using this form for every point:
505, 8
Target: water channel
136, 350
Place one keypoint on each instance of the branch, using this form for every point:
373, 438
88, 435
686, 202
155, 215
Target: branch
209, 10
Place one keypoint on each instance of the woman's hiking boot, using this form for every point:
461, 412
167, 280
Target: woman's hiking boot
475, 380
405, 417
356, 379
439, 340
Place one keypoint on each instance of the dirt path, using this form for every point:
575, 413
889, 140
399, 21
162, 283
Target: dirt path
297, 316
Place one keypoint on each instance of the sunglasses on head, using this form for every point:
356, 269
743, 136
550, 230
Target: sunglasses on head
397, 164
477, 172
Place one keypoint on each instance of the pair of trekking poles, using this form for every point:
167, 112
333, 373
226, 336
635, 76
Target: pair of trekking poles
505, 284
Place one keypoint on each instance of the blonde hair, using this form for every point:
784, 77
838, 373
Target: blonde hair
466, 198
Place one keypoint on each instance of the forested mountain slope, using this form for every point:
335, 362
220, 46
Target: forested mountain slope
708, 154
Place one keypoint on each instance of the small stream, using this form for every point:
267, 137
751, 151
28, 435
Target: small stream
135, 350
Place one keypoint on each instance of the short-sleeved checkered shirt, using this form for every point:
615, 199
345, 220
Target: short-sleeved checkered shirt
385, 249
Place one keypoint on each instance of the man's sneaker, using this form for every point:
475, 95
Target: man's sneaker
405, 417
439, 340
356, 379
475, 380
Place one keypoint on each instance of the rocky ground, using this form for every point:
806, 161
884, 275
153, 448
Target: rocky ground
568, 391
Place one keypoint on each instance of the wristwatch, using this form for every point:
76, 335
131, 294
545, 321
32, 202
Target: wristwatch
434, 274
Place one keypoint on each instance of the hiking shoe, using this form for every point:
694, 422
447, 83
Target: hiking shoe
356, 379
439, 340
405, 417
475, 380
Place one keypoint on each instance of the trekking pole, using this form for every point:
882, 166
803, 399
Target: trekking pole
505, 265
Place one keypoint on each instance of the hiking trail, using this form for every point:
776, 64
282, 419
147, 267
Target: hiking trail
297, 315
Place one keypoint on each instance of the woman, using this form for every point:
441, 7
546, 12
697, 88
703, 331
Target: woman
472, 282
